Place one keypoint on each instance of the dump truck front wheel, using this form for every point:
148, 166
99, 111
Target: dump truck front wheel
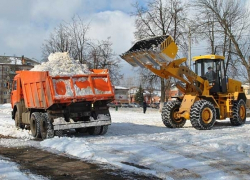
35, 124
169, 115
239, 113
203, 115
17, 121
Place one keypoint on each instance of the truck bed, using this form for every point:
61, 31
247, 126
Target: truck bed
40, 90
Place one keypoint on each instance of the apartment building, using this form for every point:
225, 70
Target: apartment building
8, 67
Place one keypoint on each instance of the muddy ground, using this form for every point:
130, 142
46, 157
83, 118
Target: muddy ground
62, 167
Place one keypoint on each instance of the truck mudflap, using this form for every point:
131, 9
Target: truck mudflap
102, 120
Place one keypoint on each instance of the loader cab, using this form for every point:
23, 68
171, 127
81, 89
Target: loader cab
212, 68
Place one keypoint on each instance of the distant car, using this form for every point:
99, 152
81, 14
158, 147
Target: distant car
136, 105
125, 105
155, 105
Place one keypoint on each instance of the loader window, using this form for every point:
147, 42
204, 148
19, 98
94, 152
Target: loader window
205, 67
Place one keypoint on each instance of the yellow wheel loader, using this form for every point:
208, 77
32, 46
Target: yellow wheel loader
207, 96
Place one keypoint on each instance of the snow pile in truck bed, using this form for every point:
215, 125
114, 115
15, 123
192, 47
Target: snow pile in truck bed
61, 64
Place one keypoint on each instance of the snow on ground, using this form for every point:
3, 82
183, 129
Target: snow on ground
141, 143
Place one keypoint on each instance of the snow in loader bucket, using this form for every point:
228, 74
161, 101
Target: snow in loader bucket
152, 51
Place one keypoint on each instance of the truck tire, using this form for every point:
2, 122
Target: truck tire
104, 130
202, 115
239, 113
17, 121
81, 130
168, 115
96, 130
59, 133
46, 127
35, 124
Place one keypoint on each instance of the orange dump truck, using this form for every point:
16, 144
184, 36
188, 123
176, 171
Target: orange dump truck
40, 101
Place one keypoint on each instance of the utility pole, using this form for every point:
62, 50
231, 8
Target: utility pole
189, 48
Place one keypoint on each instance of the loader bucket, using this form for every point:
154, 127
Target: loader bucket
152, 51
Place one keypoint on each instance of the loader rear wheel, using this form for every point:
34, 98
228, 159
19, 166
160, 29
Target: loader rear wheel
239, 113
96, 130
35, 124
169, 115
203, 115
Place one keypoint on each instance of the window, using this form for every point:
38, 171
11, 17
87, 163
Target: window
14, 85
4, 100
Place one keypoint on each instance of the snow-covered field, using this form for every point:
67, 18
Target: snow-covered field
141, 143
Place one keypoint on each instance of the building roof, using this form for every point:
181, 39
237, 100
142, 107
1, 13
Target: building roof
12, 60
119, 87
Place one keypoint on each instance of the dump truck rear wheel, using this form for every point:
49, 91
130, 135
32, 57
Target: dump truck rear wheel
35, 124
59, 133
46, 127
104, 130
96, 130
203, 115
169, 115
239, 113
81, 130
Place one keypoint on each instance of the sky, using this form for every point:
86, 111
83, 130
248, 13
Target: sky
26, 24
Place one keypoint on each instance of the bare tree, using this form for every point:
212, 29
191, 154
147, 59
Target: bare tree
78, 30
72, 37
101, 56
59, 41
161, 17
233, 19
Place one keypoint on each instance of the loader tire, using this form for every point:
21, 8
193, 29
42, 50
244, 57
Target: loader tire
96, 130
239, 113
35, 124
17, 121
46, 127
104, 130
169, 117
202, 115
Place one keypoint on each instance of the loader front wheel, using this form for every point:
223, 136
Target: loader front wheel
203, 115
35, 124
169, 115
239, 113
